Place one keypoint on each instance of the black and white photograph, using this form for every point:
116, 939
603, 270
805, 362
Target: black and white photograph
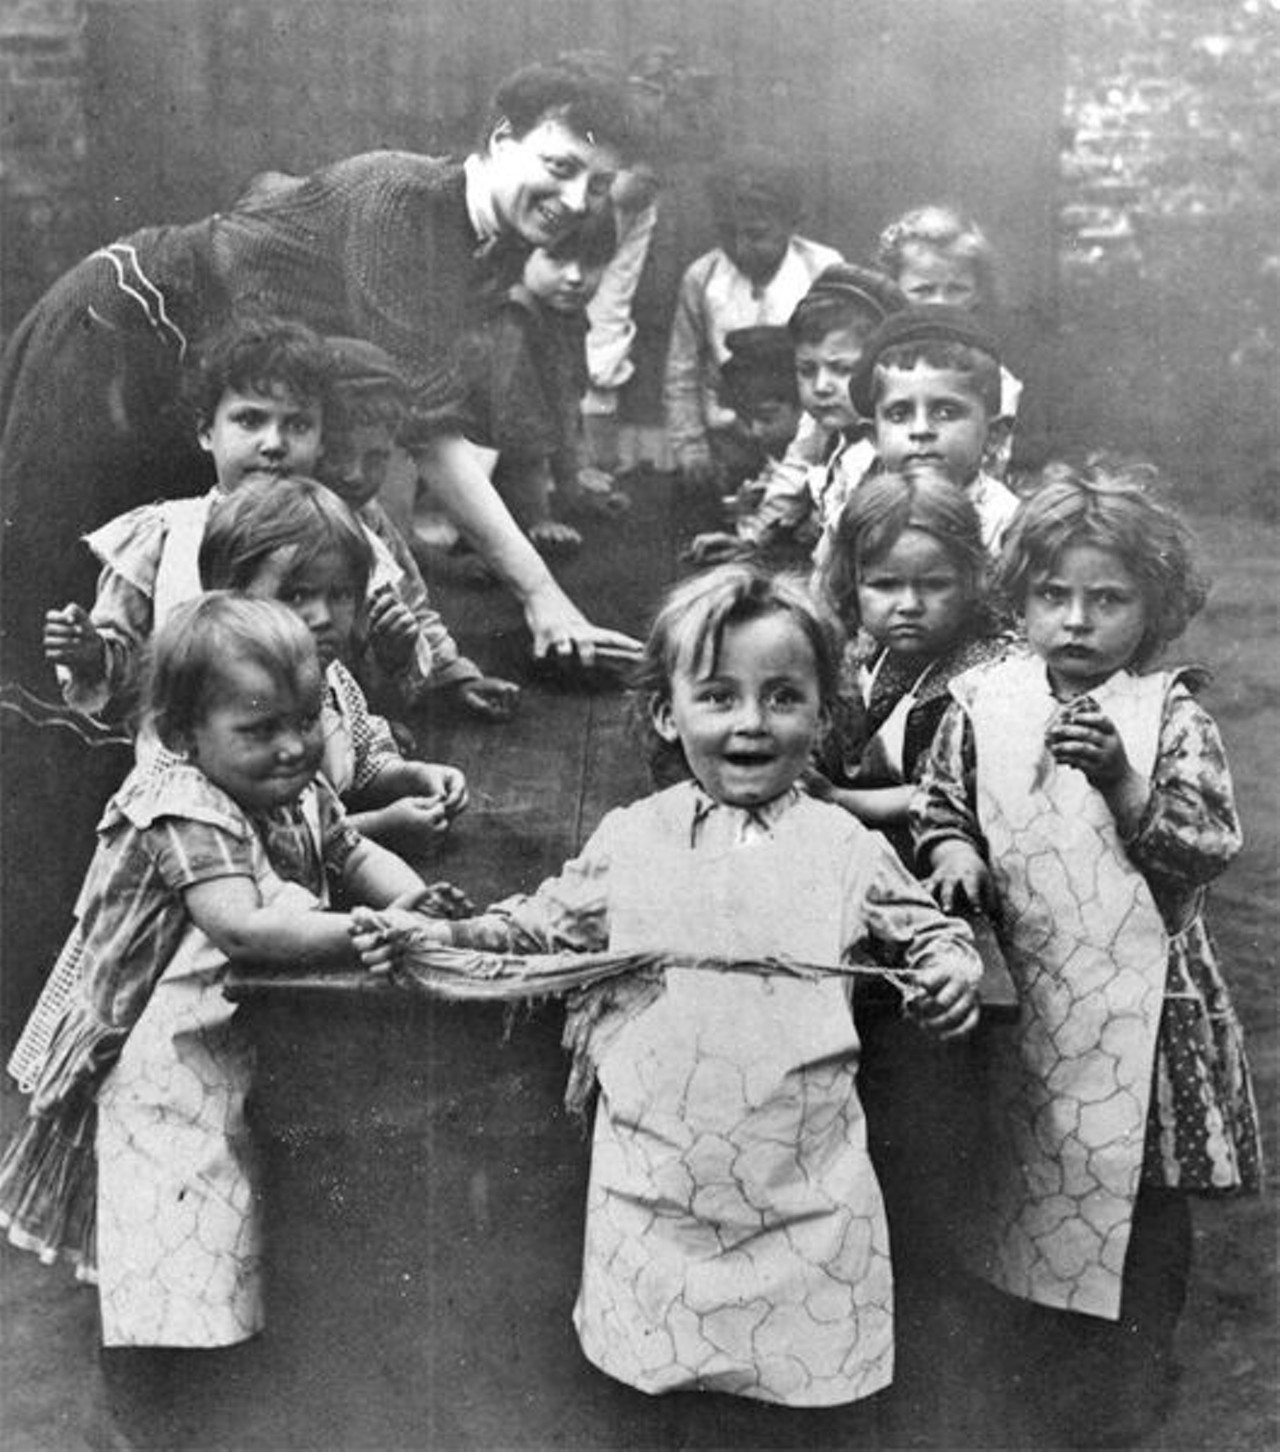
639, 678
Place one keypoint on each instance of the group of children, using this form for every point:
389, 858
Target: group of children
959, 713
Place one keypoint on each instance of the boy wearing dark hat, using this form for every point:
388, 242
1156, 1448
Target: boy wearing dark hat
370, 404
758, 381
757, 275
931, 380
805, 491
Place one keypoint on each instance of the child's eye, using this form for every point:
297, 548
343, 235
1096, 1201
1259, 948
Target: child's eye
302, 425
249, 418
895, 414
1050, 594
559, 167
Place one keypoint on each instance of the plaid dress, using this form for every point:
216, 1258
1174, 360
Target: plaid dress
134, 1162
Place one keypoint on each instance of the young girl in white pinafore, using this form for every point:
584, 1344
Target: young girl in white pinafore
735, 1237
134, 1162
1086, 796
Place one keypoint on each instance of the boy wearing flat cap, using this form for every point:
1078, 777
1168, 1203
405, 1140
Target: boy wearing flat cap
930, 379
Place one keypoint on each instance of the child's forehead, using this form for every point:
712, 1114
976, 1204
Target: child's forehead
842, 339
267, 393
775, 641
918, 253
1087, 560
245, 683
925, 380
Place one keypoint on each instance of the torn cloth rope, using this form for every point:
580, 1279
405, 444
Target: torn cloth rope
609, 988
467, 973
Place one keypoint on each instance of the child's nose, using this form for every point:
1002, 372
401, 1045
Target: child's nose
271, 439
1077, 616
290, 745
750, 715
921, 424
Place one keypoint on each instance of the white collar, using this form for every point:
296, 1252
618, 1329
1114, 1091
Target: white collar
481, 209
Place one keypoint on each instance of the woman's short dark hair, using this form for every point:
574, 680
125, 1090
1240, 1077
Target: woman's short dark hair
583, 89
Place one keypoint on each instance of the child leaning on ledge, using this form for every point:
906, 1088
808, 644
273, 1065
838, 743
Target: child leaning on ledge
370, 405
259, 391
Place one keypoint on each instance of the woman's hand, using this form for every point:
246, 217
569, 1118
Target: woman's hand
560, 630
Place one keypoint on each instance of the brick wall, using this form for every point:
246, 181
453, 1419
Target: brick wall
42, 147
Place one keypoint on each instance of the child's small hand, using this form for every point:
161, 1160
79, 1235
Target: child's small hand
413, 820
376, 939
393, 630
715, 548
489, 697
1081, 735
437, 900
443, 784
960, 881
71, 640
947, 1005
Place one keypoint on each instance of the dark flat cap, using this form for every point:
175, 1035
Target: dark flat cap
915, 324
878, 293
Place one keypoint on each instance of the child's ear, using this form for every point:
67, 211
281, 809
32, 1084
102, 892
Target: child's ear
999, 431
664, 722
502, 131
204, 436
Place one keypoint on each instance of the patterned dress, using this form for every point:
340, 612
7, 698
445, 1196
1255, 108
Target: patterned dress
735, 1236
135, 1161
1127, 1066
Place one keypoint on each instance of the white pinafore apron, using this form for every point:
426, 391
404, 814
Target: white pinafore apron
1087, 949
736, 1238
179, 1201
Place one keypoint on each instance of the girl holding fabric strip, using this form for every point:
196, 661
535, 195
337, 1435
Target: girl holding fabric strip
735, 1238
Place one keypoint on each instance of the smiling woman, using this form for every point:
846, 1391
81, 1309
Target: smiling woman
394, 247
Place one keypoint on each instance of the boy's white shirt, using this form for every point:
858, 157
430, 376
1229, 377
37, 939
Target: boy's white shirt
716, 298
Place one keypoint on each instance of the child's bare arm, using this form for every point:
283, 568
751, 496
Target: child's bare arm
231, 913
375, 875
